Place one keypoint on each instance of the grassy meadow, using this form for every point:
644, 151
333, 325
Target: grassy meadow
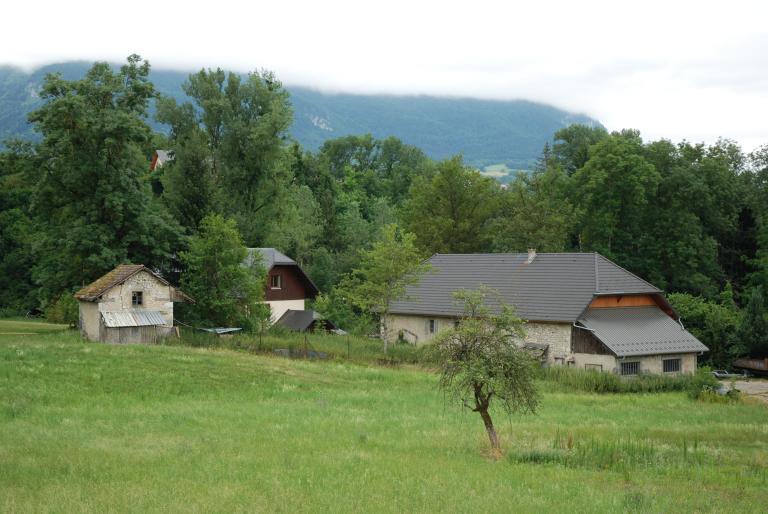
88, 427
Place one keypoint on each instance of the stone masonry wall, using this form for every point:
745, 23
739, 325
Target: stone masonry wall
156, 296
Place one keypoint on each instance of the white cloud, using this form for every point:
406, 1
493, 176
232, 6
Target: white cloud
695, 70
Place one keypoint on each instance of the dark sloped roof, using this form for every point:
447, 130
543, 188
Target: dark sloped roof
554, 287
612, 278
633, 331
270, 257
302, 320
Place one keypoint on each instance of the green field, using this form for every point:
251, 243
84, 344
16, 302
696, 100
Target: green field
88, 427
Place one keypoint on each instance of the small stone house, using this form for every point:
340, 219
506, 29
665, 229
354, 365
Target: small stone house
580, 309
130, 304
287, 287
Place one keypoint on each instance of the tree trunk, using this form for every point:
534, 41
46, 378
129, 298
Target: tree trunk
494, 438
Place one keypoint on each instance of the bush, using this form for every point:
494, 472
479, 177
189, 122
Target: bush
702, 383
64, 310
571, 379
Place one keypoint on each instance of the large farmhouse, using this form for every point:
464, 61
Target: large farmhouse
580, 309
130, 304
288, 287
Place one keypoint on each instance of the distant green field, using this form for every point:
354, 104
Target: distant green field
88, 427
19, 326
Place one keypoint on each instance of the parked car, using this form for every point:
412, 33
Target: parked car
722, 374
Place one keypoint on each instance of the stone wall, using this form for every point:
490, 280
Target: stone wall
156, 296
556, 335
607, 362
90, 320
415, 329
653, 363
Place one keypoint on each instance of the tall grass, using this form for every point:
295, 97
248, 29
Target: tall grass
309, 345
89, 427
571, 379
621, 454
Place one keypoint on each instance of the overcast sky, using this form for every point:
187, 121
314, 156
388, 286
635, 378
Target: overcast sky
674, 69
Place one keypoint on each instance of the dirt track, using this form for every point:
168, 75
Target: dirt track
754, 388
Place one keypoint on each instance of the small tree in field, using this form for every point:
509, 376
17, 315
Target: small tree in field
480, 361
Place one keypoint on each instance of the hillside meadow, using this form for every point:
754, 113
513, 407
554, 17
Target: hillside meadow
88, 427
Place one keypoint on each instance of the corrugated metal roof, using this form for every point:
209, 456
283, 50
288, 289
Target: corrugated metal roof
222, 330
633, 331
554, 287
134, 318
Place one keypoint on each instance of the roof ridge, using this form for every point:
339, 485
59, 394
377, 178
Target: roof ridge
113, 278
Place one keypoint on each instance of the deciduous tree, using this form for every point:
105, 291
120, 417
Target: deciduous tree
454, 210
482, 364
384, 273
227, 291
92, 200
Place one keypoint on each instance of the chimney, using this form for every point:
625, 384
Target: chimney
531, 255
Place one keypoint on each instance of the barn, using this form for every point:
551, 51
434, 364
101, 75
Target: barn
580, 310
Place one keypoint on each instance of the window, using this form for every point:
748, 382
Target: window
671, 365
137, 298
432, 326
593, 367
275, 281
630, 368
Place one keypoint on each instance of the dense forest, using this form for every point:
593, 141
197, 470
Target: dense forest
80, 199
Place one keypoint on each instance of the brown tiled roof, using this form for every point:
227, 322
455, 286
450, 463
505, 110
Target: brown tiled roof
117, 276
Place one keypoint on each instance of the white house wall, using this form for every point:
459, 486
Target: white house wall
279, 307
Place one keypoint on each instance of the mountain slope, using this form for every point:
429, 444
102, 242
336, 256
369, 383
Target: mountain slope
486, 132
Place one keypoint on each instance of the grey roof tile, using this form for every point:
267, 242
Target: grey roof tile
270, 257
631, 331
554, 287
